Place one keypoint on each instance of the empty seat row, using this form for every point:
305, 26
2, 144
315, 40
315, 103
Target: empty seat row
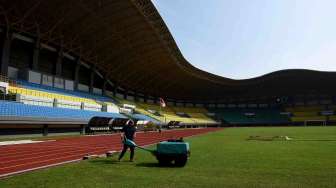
15, 109
251, 116
194, 115
49, 89
46, 94
307, 113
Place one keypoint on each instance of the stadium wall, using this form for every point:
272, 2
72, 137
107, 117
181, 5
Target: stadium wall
27, 58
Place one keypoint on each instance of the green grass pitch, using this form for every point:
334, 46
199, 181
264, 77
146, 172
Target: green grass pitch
219, 159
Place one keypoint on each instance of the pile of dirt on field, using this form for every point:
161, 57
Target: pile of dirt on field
269, 138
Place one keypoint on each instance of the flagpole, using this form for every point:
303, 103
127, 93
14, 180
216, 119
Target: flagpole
160, 110
161, 105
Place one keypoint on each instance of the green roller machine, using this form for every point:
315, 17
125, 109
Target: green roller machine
171, 152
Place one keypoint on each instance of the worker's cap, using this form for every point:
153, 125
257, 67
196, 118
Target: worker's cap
130, 122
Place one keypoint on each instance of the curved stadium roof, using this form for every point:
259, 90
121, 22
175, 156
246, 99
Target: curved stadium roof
128, 41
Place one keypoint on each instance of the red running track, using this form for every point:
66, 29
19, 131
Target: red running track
21, 158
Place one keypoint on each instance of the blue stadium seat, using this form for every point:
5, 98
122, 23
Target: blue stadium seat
145, 118
15, 109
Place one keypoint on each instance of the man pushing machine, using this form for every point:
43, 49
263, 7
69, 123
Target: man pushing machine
173, 151
129, 132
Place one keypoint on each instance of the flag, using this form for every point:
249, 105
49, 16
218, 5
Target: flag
162, 103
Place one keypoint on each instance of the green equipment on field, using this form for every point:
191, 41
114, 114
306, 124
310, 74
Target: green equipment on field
167, 152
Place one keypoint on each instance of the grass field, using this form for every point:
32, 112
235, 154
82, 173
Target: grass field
219, 159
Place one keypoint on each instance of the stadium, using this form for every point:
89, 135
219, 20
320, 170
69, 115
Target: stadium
63, 64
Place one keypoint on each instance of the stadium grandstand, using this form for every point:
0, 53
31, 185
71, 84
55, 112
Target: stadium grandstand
63, 63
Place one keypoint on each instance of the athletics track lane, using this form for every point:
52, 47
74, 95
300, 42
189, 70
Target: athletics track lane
21, 158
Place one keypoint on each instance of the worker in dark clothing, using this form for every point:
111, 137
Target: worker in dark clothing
128, 132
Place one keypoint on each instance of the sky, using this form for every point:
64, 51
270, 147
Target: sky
243, 39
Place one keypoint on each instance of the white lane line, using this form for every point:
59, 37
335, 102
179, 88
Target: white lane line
37, 168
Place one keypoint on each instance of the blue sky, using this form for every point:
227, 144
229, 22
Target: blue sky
247, 38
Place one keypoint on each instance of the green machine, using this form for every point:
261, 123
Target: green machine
171, 152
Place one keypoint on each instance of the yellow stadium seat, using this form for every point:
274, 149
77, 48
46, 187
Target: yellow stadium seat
307, 113
42, 94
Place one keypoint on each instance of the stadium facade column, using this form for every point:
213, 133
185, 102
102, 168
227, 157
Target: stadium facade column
184, 103
5, 52
135, 95
36, 53
58, 70
76, 79
145, 98
104, 85
115, 89
125, 94
92, 74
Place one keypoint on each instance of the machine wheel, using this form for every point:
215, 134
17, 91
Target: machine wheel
164, 161
181, 160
